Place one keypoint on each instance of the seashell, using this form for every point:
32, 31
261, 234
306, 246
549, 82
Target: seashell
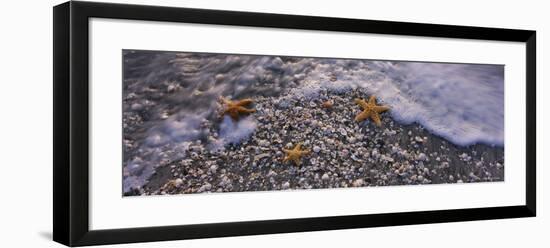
327, 104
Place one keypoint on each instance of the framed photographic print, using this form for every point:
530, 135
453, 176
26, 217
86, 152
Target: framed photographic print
178, 123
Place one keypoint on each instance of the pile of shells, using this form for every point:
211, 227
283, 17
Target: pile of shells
344, 153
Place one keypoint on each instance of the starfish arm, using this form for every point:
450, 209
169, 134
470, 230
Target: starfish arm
304, 152
285, 159
362, 116
297, 161
244, 102
380, 109
376, 118
245, 110
372, 100
298, 147
361, 103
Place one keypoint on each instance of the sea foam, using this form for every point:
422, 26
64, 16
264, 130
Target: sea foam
463, 103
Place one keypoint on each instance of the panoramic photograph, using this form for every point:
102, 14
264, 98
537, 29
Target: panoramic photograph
197, 122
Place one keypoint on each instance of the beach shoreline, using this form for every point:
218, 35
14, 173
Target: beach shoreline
343, 153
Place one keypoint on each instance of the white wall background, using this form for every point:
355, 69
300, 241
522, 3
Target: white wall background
26, 124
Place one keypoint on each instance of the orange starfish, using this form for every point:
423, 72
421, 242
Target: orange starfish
370, 110
295, 154
236, 108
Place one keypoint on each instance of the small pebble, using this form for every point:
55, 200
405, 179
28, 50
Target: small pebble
286, 185
316, 149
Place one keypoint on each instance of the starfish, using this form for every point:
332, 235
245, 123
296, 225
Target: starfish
370, 110
295, 154
236, 108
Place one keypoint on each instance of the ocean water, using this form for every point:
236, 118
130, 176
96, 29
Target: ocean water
177, 96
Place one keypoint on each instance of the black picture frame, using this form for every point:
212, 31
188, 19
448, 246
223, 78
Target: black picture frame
71, 123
